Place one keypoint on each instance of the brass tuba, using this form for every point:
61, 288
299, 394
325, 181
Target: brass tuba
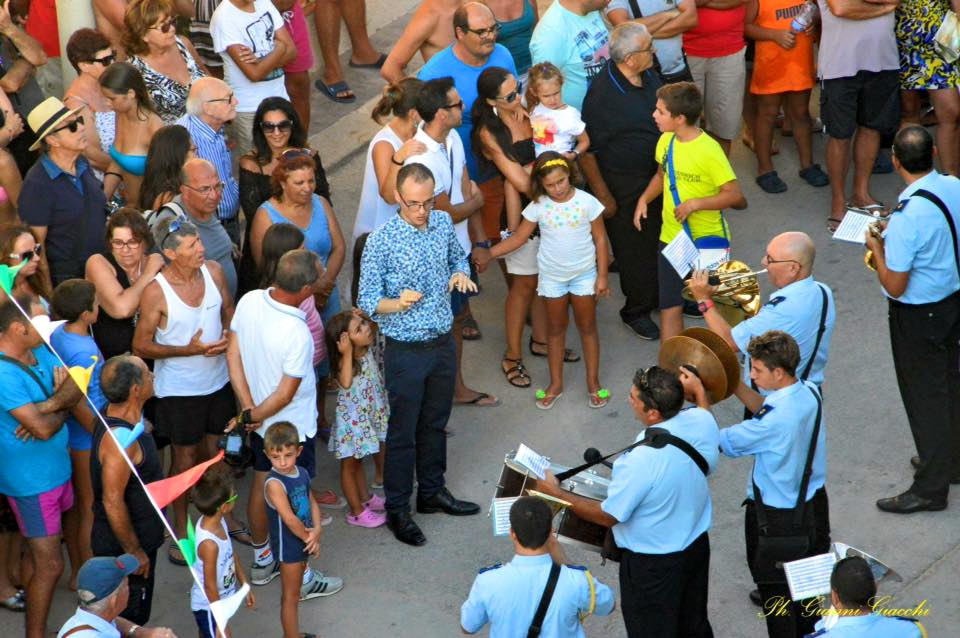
738, 295
876, 229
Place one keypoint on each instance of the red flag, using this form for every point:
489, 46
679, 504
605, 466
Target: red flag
169, 489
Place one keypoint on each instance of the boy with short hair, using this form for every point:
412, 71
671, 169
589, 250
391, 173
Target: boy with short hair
295, 529
217, 567
697, 182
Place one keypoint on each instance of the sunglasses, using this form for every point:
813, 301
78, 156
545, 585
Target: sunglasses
164, 27
509, 97
107, 61
232, 499
643, 388
455, 105
284, 126
37, 250
73, 125
494, 30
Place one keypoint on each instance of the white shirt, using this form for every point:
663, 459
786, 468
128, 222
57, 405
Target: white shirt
447, 162
226, 569
257, 31
555, 129
275, 342
566, 240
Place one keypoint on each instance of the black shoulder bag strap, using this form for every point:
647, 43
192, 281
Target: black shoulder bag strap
635, 8
823, 326
927, 195
658, 438
538, 617
25, 368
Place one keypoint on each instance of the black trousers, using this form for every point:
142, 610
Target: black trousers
924, 340
785, 618
635, 251
140, 602
665, 595
420, 379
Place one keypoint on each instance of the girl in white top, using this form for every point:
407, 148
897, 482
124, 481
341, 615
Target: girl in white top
573, 262
556, 126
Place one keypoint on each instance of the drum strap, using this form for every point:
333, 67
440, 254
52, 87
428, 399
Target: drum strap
538, 617
658, 438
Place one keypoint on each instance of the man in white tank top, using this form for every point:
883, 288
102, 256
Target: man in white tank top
183, 313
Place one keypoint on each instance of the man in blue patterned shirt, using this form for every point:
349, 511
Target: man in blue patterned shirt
410, 265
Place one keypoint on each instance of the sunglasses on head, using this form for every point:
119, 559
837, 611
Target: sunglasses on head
284, 126
72, 125
105, 61
174, 226
293, 153
165, 26
37, 250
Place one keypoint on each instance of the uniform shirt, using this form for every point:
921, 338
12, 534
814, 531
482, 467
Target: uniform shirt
212, 146
100, 627
507, 597
398, 255
794, 309
778, 437
918, 240
659, 496
446, 161
869, 626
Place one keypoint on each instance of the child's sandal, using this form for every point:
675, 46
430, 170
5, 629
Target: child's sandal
598, 399
546, 401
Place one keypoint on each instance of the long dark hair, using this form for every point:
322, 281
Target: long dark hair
9, 233
165, 159
338, 324
488, 88
547, 162
298, 136
277, 241
121, 77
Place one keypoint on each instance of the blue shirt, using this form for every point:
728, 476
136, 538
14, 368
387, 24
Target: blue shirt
778, 437
82, 617
80, 350
33, 466
397, 256
794, 309
446, 64
212, 146
917, 240
869, 626
659, 496
507, 597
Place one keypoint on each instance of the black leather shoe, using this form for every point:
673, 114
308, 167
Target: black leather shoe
915, 462
403, 527
443, 501
755, 598
908, 503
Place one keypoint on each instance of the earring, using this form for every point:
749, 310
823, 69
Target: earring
495, 112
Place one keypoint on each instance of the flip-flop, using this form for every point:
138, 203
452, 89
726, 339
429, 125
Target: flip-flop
373, 65
235, 534
175, 555
476, 401
598, 399
833, 223
546, 401
332, 90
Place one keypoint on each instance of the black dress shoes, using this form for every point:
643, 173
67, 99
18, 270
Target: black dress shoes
403, 527
443, 501
916, 462
755, 597
908, 503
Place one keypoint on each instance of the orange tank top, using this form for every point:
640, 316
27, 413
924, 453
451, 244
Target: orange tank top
775, 69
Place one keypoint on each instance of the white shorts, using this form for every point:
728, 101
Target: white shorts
523, 261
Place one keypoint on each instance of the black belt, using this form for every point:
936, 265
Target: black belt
899, 304
419, 345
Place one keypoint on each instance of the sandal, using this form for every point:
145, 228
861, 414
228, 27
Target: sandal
470, 330
569, 356
598, 399
833, 223
17, 602
175, 555
517, 374
546, 401
482, 400
771, 183
235, 534
336, 91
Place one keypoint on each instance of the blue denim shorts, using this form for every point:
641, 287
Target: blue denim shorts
583, 285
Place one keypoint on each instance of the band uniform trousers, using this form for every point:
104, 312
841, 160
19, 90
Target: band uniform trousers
420, 381
635, 251
792, 620
923, 339
665, 595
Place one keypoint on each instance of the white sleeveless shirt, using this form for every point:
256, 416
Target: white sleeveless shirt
226, 570
373, 210
195, 375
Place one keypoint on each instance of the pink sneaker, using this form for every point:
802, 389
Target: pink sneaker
376, 503
368, 518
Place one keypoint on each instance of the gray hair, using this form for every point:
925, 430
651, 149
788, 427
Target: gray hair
198, 94
98, 607
624, 40
165, 238
296, 269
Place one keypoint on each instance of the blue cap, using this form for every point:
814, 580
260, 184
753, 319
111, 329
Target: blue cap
99, 577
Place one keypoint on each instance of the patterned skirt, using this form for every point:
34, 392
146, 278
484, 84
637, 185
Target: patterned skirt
920, 65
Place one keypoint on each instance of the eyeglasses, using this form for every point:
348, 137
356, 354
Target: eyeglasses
107, 61
227, 99
174, 226
427, 206
37, 250
193, 149
206, 190
509, 97
649, 49
770, 260
284, 126
455, 105
293, 153
164, 27
119, 244
494, 30
232, 498
72, 126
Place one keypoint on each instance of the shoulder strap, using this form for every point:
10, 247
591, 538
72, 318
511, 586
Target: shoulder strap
78, 629
674, 192
25, 368
931, 197
658, 438
823, 326
538, 617
635, 8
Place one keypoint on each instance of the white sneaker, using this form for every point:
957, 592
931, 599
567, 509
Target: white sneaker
320, 585
263, 574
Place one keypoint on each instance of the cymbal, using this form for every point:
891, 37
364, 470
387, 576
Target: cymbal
684, 350
721, 348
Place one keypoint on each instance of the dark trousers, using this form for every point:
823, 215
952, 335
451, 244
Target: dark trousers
665, 595
786, 618
924, 339
635, 251
140, 602
420, 379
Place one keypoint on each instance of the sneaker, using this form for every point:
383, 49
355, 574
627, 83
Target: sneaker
691, 309
367, 518
645, 328
325, 519
319, 586
376, 503
263, 574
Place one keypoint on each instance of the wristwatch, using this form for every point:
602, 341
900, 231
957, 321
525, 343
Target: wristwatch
704, 306
482, 244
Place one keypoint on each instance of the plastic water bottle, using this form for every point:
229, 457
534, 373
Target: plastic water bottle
808, 13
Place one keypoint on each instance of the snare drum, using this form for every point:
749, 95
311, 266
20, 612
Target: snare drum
515, 478
574, 530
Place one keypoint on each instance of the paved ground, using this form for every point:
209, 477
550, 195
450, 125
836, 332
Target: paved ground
395, 590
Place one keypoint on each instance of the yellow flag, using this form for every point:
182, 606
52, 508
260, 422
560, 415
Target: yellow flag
81, 376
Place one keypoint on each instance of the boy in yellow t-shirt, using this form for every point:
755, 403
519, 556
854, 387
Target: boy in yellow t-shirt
705, 185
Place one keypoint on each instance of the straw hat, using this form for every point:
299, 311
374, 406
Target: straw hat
46, 116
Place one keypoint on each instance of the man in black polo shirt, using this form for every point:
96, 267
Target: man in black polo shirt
618, 112
61, 199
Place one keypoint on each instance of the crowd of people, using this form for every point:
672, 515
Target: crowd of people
164, 208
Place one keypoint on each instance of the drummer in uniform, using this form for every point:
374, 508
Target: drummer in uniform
507, 596
659, 508
852, 590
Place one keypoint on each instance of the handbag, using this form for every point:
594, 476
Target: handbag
785, 534
946, 42
712, 249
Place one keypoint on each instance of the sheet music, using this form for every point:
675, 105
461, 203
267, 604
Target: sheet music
501, 515
810, 577
853, 228
710, 258
682, 254
532, 461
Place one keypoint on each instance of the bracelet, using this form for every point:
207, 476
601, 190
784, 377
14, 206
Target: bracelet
132, 630
482, 244
393, 158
